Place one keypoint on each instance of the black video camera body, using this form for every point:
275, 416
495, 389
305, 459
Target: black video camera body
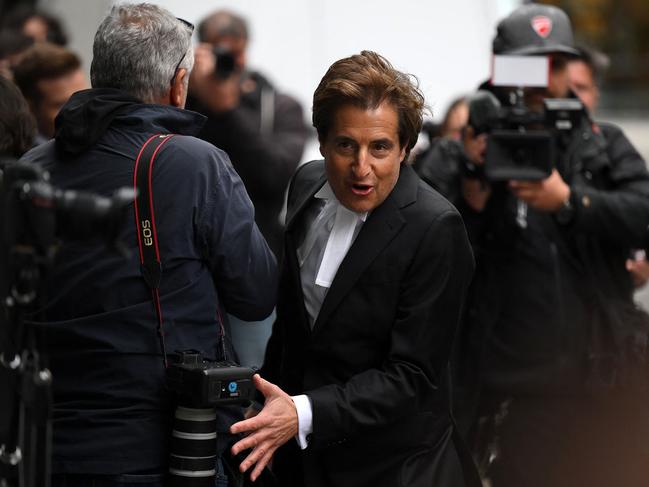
522, 144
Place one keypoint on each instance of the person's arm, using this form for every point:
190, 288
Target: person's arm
619, 214
267, 160
243, 267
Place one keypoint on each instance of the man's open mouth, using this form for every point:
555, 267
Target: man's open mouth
361, 189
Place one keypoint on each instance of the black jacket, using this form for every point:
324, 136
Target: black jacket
264, 137
111, 409
373, 366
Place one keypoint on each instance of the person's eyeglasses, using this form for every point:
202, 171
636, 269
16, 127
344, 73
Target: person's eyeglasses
190, 26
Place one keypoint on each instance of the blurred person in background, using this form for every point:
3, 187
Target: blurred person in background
551, 335
48, 75
17, 127
111, 410
12, 46
261, 129
36, 24
437, 164
585, 73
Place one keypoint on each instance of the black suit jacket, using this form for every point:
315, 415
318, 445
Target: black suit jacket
374, 364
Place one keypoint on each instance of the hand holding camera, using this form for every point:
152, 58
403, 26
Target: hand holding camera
547, 195
214, 79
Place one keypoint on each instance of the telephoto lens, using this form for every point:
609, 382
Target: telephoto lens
192, 460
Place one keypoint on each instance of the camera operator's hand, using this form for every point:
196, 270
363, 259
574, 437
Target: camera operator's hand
547, 195
475, 146
219, 95
476, 192
275, 424
639, 269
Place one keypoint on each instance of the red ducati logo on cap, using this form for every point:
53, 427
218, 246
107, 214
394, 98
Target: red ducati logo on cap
542, 25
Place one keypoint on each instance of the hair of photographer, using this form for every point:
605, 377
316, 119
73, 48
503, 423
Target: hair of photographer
222, 23
586, 73
17, 127
227, 30
48, 75
367, 80
37, 24
455, 119
138, 49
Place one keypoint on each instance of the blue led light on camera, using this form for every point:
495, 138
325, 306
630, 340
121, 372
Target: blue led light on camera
232, 386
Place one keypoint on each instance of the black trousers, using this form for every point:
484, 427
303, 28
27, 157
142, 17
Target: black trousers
573, 442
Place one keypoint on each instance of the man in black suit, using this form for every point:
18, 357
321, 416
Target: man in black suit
375, 272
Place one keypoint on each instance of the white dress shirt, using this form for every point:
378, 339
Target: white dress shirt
319, 264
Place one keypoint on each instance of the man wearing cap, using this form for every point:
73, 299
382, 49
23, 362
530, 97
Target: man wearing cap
551, 302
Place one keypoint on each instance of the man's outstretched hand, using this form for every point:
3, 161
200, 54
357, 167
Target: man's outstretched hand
275, 424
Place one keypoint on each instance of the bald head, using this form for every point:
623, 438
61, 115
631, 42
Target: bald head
220, 24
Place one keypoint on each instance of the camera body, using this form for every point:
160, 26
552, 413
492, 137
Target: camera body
522, 144
201, 386
225, 62
201, 383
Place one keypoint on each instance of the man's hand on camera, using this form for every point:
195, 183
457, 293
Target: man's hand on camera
275, 424
547, 195
220, 95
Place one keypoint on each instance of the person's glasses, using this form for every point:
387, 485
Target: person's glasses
190, 26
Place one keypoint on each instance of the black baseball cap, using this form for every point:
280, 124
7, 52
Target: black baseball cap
535, 30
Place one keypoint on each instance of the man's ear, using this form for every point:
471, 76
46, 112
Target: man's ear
178, 92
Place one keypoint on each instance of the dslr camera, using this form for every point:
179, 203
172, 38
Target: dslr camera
521, 143
225, 62
201, 386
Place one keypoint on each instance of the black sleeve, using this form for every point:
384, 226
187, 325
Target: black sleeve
265, 162
618, 213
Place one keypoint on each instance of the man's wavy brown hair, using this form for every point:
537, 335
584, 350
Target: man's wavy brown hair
366, 80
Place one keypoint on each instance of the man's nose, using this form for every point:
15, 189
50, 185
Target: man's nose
361, 166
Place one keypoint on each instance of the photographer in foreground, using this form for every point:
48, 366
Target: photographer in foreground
557, 346
111, 407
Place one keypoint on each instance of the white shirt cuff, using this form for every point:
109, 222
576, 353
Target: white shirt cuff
304, 419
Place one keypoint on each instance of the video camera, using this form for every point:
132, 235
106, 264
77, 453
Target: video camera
521, 143
201, 386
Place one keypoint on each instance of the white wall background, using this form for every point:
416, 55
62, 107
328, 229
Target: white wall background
445, 43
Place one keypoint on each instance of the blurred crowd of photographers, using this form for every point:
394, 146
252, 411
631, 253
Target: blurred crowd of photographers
555, 205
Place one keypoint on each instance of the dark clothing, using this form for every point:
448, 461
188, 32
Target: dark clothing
531, 328
598, 441
111, 409
533, 293
441, 167
264, 136
373, 365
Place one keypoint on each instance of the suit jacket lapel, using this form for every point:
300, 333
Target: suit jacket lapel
383, 224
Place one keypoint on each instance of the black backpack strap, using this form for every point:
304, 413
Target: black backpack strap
147, 237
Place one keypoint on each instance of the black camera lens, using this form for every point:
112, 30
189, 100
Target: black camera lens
192, 461
225, 62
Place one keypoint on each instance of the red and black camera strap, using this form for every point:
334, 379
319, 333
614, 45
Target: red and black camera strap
147, 237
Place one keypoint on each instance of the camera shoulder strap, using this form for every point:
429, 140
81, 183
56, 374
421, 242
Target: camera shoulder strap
147, 237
